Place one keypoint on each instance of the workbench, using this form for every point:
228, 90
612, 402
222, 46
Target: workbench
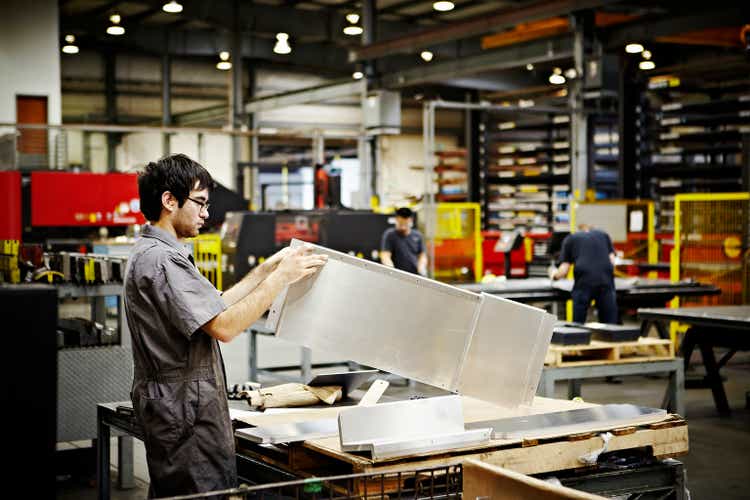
663, 439
631, 293
715, 326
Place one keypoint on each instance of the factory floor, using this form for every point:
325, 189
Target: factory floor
717, 465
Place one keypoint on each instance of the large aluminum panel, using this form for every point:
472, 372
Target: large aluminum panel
506, 355
479, 345
379, 317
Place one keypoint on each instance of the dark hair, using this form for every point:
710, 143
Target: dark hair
175, 173
404, 212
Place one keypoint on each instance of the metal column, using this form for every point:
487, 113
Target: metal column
166, 95
110, 90
237, 108
583, 23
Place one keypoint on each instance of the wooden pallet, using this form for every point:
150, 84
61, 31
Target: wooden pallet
600, 353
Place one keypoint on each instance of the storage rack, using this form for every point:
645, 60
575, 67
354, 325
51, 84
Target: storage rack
452, 176
691, 140
526, 171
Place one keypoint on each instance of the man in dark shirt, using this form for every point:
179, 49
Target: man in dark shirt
402, 246
593, 256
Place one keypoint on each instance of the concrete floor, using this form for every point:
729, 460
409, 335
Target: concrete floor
717, 465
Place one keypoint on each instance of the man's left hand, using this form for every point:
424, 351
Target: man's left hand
274, 259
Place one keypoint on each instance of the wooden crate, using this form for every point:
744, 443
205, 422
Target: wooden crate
599, 352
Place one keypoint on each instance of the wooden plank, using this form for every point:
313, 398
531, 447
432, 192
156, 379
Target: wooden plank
601, 353
557, 455
482, 480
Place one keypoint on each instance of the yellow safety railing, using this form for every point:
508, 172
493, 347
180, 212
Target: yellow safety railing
710, 238
207, 255
9, 271
456, 222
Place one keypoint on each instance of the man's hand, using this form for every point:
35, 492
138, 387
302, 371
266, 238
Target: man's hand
299, 263
552, 272
274, 259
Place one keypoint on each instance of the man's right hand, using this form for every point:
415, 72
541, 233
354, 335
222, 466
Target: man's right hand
299, 263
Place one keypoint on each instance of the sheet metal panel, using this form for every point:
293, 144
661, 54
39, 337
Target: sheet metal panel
482, 346
379, 317
590, 419
506, 356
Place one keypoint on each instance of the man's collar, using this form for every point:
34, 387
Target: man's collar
150, 231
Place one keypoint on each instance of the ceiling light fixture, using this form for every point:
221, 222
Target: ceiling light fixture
352, 18
70, 46
224, 63
427, 55
646, 65
357, 75
634, 48
556, 78
282, 44
443, 6
646, 54
115, 28
570, 73
530, 67
172, 7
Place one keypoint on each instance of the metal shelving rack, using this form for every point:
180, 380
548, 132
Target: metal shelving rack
526, 169
691, 141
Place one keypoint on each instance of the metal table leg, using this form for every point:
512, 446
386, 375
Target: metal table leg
574, 388
546, 387
125, 476
253, 355
675, 393
714, 378
306, 364
102, 456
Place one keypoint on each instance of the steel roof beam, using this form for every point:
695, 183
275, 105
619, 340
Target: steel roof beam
488, 23
517, 56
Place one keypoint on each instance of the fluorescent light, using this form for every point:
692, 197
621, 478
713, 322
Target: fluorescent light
70, 47
172, 7
357, 75
224, 63
646, 54
282, 44
634, 48
353, 30
115, 28
352, 18
443, 6
646, 65
556, 78
427, 55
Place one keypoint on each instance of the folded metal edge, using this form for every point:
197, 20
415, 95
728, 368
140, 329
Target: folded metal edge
384, 449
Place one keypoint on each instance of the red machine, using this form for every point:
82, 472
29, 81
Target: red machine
84, 199
10, 204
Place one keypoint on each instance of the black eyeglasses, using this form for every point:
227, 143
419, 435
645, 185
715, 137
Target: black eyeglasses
203, 204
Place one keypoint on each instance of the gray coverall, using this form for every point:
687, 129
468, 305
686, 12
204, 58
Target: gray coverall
179, 388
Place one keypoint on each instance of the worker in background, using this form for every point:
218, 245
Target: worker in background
593, 256
322, 196
402, 246
176, 317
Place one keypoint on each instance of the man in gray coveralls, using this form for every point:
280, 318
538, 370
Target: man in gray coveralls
176, 317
